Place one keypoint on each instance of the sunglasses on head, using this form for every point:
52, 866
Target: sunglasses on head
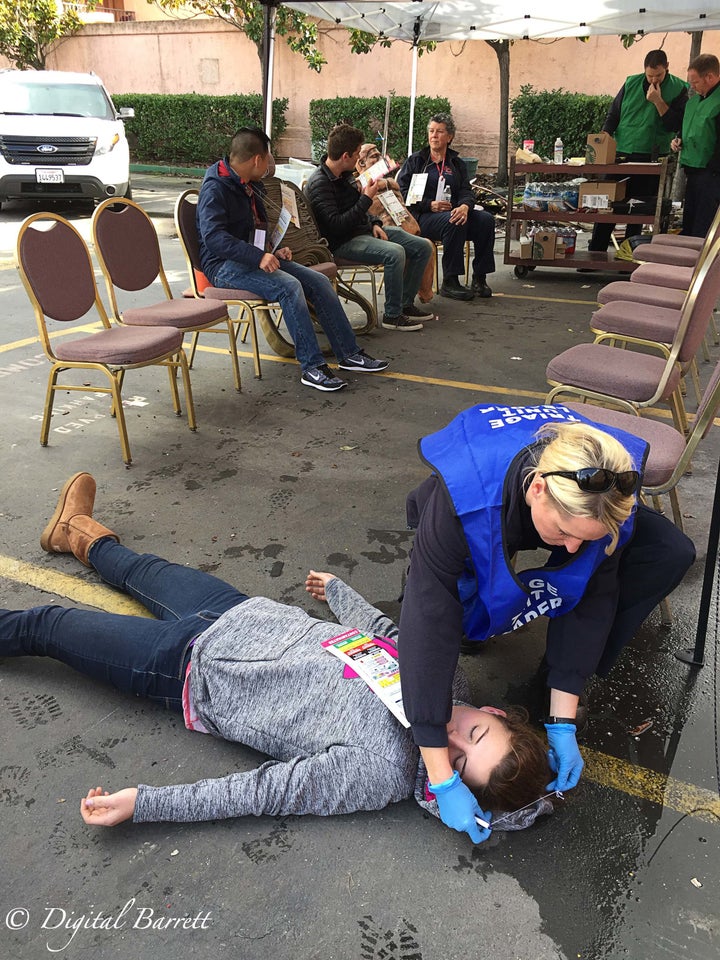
599, 480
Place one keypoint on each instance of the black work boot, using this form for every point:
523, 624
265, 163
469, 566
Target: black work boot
452, 288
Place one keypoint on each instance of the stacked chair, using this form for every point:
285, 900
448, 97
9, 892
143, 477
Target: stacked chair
57, 272
609, 374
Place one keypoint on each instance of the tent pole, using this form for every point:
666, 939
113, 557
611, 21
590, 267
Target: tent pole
413, 97
269, 14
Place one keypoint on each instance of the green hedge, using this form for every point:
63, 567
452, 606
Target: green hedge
368, 115
191, 129
545, 115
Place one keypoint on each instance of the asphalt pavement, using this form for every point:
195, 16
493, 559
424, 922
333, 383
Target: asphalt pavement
277, 479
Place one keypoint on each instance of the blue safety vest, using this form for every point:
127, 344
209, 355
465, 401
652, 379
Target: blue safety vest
473, 455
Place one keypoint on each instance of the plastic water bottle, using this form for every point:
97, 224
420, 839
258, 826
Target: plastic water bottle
558, 151
447, 193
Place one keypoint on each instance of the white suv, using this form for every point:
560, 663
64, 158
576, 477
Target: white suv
60, 137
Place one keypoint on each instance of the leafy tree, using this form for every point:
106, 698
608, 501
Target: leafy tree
29, 29
247, 15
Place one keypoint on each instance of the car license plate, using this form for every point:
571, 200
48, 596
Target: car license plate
49, 176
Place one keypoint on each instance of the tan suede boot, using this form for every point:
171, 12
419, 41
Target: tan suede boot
76, 497
82, 532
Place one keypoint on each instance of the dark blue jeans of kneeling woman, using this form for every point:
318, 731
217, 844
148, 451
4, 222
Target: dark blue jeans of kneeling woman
135, 654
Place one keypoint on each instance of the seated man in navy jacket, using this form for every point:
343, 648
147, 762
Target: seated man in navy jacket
232, 226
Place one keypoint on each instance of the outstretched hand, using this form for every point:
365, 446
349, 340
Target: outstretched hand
315, 584
103, 809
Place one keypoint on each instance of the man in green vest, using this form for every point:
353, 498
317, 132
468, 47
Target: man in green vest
644, 117
699, 146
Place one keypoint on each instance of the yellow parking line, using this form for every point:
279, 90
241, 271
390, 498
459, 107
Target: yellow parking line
650, 785
83, 328
600, 768
70, 588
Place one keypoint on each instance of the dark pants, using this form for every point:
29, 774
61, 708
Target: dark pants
136, 655
479, 229
636, 187
651, 566
702, 198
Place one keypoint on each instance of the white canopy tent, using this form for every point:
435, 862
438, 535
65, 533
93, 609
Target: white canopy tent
515, 19
510, 20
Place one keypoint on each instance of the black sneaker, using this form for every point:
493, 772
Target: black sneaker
480, 287
410, 310
401, 322
322, 378
452, 288
363, 363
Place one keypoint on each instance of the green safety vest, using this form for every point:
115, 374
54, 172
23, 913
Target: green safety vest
699, 131
641, 129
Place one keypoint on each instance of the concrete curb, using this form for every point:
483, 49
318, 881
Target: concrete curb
168, 171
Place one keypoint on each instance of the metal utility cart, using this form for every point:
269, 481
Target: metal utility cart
600, 260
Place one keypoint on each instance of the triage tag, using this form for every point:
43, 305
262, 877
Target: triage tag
374, 664
416, 189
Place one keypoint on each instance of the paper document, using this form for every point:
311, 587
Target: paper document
280, 229
379, 169
374, 664
389, 200
416, 190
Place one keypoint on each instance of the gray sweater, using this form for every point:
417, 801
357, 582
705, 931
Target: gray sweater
259, 676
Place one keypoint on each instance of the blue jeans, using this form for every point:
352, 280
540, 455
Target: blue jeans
403, 257
479, 228
289, 286
136, 655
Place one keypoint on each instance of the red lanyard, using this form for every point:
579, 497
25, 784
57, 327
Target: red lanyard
251, 193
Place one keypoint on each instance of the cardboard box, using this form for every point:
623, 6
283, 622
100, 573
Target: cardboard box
599, 194
544, 245
526, 248
600, 148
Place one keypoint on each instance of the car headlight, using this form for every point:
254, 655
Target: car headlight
106, 144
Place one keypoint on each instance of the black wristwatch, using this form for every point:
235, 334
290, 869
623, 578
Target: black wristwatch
553, 720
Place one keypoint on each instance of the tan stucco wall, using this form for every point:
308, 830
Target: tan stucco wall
203, 56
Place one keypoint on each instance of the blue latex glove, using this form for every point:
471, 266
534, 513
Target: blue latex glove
458, 808
564, 756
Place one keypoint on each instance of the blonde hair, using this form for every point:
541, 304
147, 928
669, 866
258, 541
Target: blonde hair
572, 446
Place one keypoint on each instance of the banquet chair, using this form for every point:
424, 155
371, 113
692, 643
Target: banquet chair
128, 251
650, 322
670, 453
633, 380
57, 272
248, 304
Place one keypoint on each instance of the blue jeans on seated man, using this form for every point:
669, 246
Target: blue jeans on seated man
136, 655
403, 257
479, 228
290, 286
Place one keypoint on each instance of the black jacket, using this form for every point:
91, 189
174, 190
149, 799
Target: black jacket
419, 163
340, 209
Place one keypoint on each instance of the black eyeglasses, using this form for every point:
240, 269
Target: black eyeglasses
599, 480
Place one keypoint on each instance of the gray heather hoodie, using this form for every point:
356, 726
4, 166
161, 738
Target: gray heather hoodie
260, 677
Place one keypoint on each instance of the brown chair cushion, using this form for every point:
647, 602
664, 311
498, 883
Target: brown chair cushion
230, 293
616, 373
637, 320
662, 275
665, 253
183, 314
121, 345
641, 293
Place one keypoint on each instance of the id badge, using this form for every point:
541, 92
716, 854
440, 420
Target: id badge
260, 238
